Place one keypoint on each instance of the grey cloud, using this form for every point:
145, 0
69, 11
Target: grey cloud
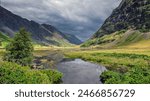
78, 17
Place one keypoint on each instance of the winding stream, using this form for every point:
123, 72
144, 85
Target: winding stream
80, 72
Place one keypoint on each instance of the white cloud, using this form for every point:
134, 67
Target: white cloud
81, 17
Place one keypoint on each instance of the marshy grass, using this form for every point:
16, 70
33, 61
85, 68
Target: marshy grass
125, 66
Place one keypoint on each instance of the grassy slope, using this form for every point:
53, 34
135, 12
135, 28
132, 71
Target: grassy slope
4, 39
126, 39
57, 40
60, 42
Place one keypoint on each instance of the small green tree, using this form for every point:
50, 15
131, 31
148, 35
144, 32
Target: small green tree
20, 49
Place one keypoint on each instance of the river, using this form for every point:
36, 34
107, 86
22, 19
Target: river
80, 72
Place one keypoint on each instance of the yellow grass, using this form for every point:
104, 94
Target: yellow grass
144, 44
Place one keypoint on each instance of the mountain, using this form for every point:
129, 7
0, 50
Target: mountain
71, 38
129, 21
130, 14
41, 33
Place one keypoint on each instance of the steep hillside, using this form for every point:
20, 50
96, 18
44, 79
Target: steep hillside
129, 23
124, 38
71, 38
130, 14
4, 39
11, 23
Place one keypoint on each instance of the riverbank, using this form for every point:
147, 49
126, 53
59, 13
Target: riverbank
125, 66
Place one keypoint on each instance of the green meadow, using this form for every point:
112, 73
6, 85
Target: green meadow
124, 66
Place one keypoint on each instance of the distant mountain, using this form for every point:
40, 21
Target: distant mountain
71, 38
128, 24
42, 34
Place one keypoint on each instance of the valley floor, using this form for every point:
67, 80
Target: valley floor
125, 66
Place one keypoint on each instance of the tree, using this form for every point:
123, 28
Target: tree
20, 49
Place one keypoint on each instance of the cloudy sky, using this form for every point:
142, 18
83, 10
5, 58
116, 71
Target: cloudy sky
79, 17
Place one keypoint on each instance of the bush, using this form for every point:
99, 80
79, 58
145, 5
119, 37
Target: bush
134, 76
110, 77
11, 73
53, 75
138, 76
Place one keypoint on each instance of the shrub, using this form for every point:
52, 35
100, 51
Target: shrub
11, 73
110, 77
134, 76
138, 76
53, 75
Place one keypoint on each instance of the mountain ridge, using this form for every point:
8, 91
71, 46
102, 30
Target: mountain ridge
11, 23
128, 24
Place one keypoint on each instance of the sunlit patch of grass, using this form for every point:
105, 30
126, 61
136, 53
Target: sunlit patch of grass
143, 44
117, 58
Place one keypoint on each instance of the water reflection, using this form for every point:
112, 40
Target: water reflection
80, 72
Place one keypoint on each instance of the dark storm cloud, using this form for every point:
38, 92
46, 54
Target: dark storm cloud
79, 17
